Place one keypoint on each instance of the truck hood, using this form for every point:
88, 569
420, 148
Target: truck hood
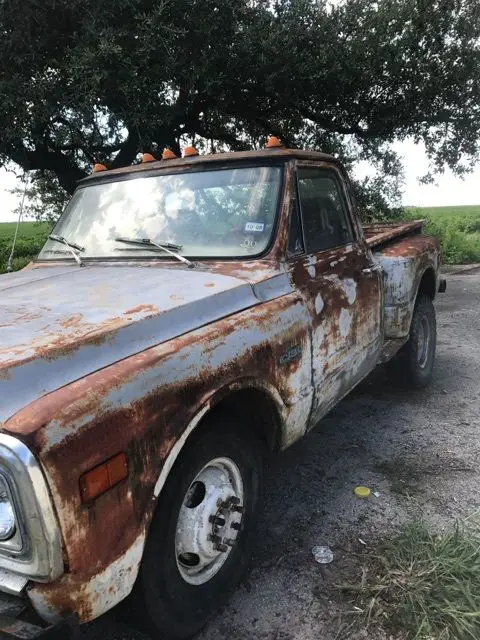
58, 324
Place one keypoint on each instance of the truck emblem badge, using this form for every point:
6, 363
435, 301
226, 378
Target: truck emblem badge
294, 353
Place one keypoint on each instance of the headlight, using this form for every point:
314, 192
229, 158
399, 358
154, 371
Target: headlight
30, 543
7, 514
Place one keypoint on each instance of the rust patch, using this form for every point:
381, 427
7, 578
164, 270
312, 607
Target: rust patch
381, 233
73, 321
60, 344
410, 246
140, 308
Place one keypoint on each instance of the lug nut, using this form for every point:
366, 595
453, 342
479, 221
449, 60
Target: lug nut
234, 500
238, 509
213, 538
236, 525
217, 520
230, 542
222, 547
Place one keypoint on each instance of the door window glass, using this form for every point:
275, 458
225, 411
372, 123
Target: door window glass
324, 214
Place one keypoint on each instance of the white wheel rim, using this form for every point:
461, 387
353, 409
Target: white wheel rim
209, 521
423, 342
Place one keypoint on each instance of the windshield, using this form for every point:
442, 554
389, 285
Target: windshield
212, 213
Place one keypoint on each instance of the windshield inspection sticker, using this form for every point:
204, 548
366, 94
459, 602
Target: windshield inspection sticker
248, 244
254, 227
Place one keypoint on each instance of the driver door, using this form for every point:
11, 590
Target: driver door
335, 273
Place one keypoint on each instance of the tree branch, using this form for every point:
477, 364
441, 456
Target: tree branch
67, 172
128, 151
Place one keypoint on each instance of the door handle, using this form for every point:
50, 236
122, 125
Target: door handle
371, 269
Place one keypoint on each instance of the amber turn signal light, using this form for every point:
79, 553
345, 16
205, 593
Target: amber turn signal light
147, 157
273, 141
103, 477
168, 154
190, 151
99, 167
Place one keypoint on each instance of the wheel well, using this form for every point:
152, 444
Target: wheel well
252, 407
428, 284
255, 409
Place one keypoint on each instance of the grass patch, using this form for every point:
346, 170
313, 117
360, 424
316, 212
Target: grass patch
31, 238
457, 228
424, 585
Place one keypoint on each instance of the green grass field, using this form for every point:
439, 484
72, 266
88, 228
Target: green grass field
458, 229
31, 237
423, 585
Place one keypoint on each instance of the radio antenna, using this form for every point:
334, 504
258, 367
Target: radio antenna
20, 213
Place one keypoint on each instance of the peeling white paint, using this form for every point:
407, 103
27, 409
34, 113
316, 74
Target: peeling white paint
104, 590
350, 288
311, 271
345, 322
333, 277
319, 304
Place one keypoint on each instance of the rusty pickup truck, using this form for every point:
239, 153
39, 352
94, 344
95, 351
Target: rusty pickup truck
186, 317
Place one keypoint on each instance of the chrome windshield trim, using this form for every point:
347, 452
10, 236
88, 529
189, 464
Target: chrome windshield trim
41, 556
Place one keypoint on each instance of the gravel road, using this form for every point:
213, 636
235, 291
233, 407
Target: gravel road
420, 451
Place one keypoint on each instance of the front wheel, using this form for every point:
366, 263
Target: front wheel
201, 537
413, 366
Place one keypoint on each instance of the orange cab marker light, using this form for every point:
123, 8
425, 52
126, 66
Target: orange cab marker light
168, 154
99, 167
147, 157
190, 151
103, 477
273, 141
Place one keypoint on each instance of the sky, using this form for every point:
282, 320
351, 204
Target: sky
448, 189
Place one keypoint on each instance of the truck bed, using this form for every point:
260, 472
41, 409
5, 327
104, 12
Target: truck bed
380, 233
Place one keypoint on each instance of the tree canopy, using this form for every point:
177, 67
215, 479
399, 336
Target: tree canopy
83, 81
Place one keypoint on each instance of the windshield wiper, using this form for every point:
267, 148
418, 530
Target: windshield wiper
167, 247
74, 249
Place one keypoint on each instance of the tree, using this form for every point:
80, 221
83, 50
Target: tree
84, 81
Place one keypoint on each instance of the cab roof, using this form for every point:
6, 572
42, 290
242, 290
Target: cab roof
218, 158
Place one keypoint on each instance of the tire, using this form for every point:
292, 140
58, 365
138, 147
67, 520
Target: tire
173, 597
413, 366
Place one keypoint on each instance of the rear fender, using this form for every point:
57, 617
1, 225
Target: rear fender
404, 264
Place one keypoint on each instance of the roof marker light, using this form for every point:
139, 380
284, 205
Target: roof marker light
168, 154
147, 157
99, 167
190, 151
272, 142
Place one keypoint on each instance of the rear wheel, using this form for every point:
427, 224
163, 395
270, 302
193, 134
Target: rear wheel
413, 366
202, 534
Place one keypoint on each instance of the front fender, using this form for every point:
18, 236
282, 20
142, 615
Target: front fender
147, 406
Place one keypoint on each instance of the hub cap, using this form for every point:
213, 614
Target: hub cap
209, 521
423, 342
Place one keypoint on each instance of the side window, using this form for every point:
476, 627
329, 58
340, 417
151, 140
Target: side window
325, 219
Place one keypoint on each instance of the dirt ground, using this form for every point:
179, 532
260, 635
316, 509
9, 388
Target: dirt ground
420, 451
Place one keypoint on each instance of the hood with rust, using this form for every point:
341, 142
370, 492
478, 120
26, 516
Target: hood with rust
58, 324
